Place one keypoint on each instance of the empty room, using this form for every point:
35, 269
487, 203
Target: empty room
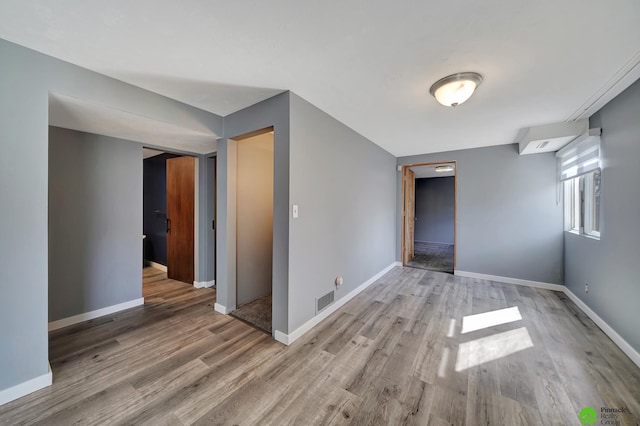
380, 213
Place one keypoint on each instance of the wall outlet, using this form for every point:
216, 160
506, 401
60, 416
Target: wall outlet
339, 281
586, 288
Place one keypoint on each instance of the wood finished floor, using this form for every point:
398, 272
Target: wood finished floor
387, 357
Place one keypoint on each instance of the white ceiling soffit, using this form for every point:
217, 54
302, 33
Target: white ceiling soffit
148, 153
551, 137
77, 114
368, 64
430, 171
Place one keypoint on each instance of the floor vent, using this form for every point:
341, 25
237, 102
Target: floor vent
324, 301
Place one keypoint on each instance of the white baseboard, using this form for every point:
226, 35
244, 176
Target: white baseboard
65, 322
25, 388
157, 266
608, 330
507, 280
288, 339
204, 284
281, 337
222, 309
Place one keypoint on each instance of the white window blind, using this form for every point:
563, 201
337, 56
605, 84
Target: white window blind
581, 156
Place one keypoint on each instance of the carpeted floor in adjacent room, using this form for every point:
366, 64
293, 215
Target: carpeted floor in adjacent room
257, 313
432, 256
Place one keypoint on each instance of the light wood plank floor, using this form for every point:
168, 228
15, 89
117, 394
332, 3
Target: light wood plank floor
402, 352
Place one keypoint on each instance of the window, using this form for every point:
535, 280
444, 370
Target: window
582, 204
579, 169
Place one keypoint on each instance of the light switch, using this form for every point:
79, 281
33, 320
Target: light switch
295, 211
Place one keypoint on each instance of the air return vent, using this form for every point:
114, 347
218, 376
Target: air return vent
324, 301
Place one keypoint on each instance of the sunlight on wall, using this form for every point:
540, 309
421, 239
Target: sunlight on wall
489, 319
479, 351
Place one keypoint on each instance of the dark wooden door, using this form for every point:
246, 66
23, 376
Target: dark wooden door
180, 222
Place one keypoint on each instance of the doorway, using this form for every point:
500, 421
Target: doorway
254, 228
429, 216
169, 213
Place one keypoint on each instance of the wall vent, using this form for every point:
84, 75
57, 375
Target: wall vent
324, 301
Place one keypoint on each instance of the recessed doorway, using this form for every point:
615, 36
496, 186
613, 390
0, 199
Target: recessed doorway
254, 228
428, 216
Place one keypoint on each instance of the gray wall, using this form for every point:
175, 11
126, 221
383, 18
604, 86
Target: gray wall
254, 217
207, 211
205, 234
509, 224
610, 266
27, 78
95, 222
271, 112
344, 186
435, 209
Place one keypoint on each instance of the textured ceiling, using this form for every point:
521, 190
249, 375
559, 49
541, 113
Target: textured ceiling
367, 63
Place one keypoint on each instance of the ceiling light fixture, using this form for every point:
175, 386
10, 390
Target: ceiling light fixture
445, 168
456, 88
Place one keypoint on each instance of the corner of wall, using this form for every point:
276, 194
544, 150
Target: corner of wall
25, 388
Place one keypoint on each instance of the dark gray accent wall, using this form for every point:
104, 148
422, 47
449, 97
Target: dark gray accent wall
509, 223
154, 208
610, 265
435, 209
27, 78
271, 112
344, 186
95, 222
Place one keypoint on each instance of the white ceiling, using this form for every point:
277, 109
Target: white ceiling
77, 114
422, 172
367, 63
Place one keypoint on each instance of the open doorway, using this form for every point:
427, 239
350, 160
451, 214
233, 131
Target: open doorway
96, 235
254, 228
169, 210
429, 213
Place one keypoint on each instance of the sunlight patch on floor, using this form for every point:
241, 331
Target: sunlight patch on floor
485, 349
452, 327
489, 319
442, 368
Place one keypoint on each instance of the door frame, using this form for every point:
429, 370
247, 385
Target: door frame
408, 252
214, 224
455, 206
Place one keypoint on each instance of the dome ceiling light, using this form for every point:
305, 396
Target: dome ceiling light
456, 88
444, 168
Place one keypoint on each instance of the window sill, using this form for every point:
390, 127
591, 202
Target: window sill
591, 237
